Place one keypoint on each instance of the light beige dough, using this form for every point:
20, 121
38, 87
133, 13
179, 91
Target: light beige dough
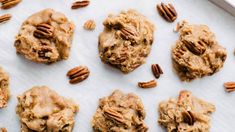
126, 40
185, 114
50, 49
41, 109
4, 88
197, 53
120, 112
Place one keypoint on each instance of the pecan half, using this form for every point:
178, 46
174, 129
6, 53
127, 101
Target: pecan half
114, 115
44, 52
89, 25
167, 11
6, 4
80, 4
142, 128
43, 30
196, 48
5, 18
127, 33
149, 84
157, 71
188, 117
3, 129
78, 74
229, 86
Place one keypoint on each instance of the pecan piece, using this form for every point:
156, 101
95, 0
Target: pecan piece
43, 30
114, 115
5, 17
142, 128
127, 33
3, 129
80, 4
157, 71
196, 48
6, 4
89, 25
188, 117
78, 74
149, 84
229, 86
44, 53
167, 11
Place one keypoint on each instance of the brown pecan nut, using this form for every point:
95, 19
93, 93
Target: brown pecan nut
44, 52
229, 86
196, 48
157, 71
80, 4
127, 33
114, 115
3, 129
43, 30
149, 84
142, 128
6, 4
78, 74
5, 18
188, 117
89, 25
167, 11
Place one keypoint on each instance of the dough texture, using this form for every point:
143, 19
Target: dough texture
119, 112
43, 110
4, 88
126, 40
52, 43
185, 114
197, 53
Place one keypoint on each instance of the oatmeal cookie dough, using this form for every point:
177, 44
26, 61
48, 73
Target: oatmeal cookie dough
4, 88
197, 53
45, 37
126, 40
185, 114
41, 109
120, 112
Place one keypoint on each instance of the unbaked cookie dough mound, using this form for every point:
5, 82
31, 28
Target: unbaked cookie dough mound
120, 112
4, 88
185, 114
126, 40
197, 53
41, 109
45, 37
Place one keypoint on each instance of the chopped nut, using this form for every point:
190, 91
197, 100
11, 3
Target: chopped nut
6, 4
157, 71
4, 18
89, 25
167, 11
78, 74
229, 86
80, 4
188, 117
43, 30
149, 84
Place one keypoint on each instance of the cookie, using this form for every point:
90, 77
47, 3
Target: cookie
120, 112
197, 53
185, 114
4, 88
45, 37
41, 109
126, 40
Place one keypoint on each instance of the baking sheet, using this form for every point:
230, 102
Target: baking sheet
103, 78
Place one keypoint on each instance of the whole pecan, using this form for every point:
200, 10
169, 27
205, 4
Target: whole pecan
229, 86
80, 4
149, 84
167, 11
127, 33
157, 71
198, 48
78, 74
114, 115
6, 4
5, 17
188, 117
43, 30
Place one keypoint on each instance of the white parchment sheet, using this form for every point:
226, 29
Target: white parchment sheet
104, 79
